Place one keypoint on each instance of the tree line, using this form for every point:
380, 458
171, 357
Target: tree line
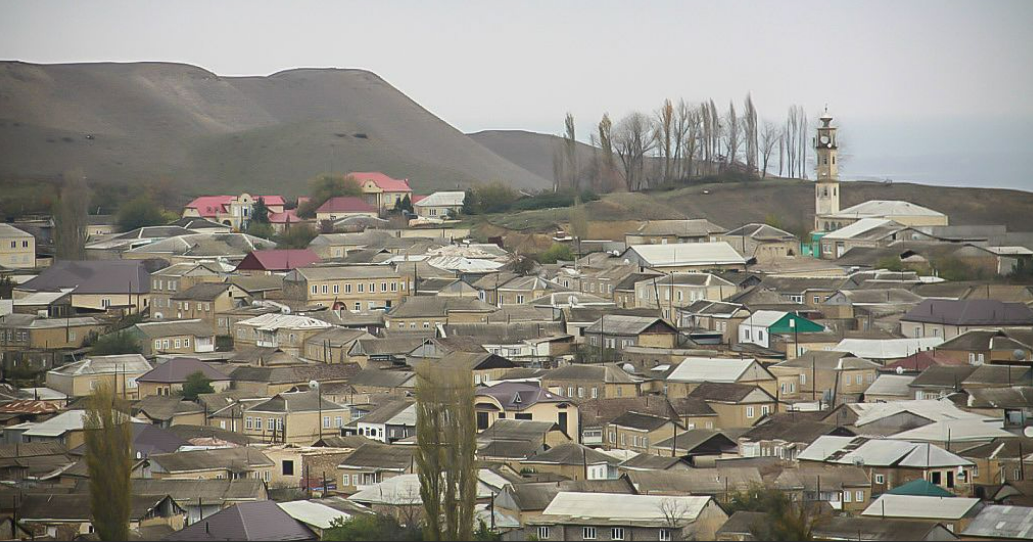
679, 142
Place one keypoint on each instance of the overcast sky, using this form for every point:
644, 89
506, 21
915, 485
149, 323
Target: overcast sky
936, 91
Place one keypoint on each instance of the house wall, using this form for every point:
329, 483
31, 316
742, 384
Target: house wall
387, 290
948, 332
83, 385
162, 388
163, 287
541, 412
438, 211
177, 344
627, 438
18, 252
115, 299
731, 415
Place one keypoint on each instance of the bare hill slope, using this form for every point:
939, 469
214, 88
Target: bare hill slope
532, 151
141, 121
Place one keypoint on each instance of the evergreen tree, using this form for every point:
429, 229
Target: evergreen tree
109, 463
118, 342
70, 217
446, 444
471, 205
139, 212
260, 212
196, 384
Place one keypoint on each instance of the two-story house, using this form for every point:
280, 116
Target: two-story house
353, 287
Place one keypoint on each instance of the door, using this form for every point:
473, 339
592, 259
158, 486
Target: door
563, 423
482, 421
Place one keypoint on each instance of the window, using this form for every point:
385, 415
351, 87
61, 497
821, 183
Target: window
165, 343
258, 423
186, 342
880, 479
347, 288
543, 533
595, 392
665, 535
287, 467
157, 344
338, 422
622, 439
179, 343
847, 497
372, 287
765, 410
859, 495
749, 412
588, 533
337, 288
617, 533
361, 287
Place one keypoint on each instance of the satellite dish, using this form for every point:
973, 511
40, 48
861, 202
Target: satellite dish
313, 385
1019, 354
628, 368
900, 370
1028, 432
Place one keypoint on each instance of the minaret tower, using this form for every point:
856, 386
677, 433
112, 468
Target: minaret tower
826, 190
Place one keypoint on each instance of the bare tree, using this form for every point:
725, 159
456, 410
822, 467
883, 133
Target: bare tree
664, 137
732, 135
632, 141
750, 133
70, 217
675, 514
711, 136
689, 129
769, 139
570, 153
446, 444
781, 151
802, 140
607, 163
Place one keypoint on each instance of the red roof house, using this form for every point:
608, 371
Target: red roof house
383, 182
212, 206
278, 260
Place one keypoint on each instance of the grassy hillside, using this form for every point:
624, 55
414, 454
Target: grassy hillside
137, 122
790, 202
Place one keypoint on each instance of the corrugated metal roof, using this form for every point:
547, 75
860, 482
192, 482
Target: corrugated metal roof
678, 254
725, 370
619, 508
919, 507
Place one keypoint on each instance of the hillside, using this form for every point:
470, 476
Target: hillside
142, 121
790, 202
532, 151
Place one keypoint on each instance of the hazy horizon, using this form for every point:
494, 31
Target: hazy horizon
933, 92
